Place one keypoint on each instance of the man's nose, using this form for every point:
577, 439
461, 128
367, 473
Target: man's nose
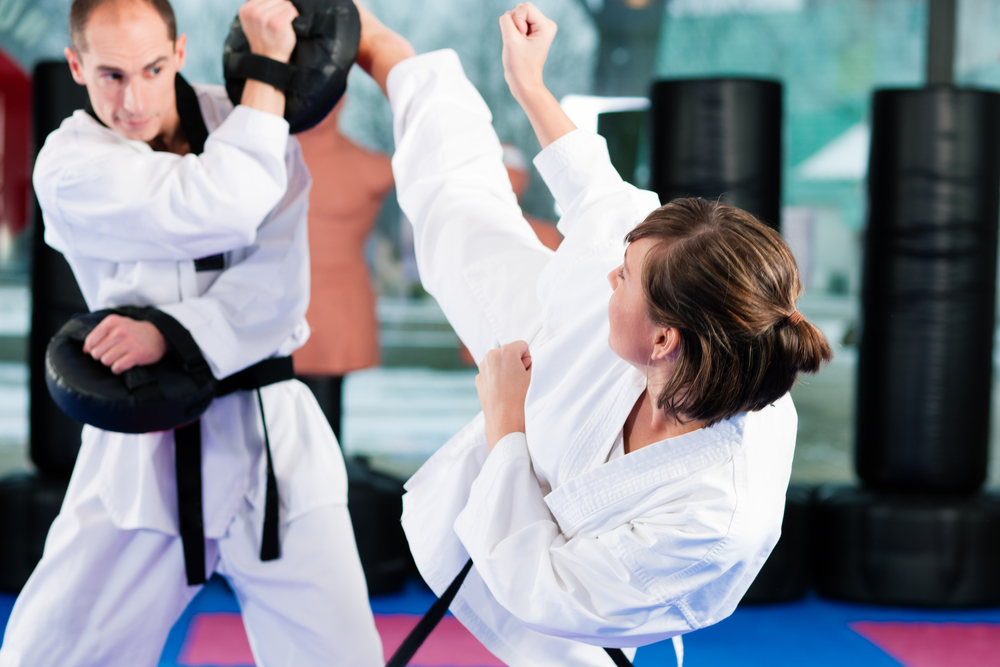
134, 97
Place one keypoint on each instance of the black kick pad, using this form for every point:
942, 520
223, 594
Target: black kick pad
903, 549
159, 397
328, 33
787, 573
28, 505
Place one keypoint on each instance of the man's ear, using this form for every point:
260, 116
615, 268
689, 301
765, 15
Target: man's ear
180, 50
666, 344
75, 65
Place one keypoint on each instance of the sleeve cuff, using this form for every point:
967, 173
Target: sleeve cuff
470, 527
442, 60
248, 127
577, 151
217, 344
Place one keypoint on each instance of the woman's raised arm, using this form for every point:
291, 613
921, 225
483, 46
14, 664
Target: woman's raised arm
527, 35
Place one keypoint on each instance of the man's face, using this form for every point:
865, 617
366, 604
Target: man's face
128, 63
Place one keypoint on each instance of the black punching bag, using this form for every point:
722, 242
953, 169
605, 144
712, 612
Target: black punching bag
719, 139
929, 550
925, 355
787, 572
55, 438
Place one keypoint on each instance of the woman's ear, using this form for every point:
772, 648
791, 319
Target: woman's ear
666, 344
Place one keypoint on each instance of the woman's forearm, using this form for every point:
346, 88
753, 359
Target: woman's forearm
547, 118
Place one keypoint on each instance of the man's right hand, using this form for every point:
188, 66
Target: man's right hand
267, 25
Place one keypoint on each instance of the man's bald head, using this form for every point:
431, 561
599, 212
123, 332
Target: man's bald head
81, 10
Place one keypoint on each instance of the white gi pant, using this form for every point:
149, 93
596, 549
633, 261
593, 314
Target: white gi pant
128, 588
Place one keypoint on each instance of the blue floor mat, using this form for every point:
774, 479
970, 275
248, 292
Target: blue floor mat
813, 632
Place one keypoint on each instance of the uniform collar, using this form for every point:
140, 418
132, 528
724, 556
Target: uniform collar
189, 110
605, 494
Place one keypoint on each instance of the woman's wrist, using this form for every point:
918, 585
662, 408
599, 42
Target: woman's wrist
547, 118
501, 426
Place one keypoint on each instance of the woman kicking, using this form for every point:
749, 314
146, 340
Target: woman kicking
626, 479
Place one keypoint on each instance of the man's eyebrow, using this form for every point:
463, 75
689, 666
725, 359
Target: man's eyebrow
117, 70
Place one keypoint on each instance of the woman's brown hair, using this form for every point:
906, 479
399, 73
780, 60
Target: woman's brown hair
728, 284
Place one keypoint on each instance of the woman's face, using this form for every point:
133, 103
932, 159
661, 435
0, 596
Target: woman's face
632, 332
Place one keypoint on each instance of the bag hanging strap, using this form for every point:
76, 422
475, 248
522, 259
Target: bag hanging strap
423, 629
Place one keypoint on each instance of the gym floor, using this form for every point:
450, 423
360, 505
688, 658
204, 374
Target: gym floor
397, 416
813, 632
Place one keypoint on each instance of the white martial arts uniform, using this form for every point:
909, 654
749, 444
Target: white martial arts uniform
111, 583
572, 551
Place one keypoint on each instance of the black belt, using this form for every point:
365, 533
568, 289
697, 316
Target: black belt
187, 459
419, 634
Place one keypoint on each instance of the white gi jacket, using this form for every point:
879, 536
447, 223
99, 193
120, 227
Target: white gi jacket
571, 552
130, 221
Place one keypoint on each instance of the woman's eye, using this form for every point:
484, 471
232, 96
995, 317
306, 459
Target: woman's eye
621, 272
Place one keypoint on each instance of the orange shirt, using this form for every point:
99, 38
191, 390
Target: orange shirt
349, 186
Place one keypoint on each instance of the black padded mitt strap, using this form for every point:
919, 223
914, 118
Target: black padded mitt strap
259, 68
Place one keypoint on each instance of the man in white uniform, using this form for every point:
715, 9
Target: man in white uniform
165, 195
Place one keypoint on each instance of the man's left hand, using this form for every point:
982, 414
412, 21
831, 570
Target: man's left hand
121, 343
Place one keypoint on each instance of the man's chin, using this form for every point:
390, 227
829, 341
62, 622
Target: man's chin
145, 132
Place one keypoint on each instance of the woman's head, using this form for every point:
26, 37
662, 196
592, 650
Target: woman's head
712, 289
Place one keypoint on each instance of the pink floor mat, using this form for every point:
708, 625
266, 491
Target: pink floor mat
935, 644
219, 640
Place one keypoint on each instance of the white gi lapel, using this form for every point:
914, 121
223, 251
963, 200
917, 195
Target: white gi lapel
608, 495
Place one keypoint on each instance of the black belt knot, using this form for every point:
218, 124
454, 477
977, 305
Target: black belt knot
187, 459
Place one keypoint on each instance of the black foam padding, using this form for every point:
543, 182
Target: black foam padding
328, 33
28, 505
55, 296
924, 550
173, 392
625, 133
375, 501
719, 139
925, 354
787, 573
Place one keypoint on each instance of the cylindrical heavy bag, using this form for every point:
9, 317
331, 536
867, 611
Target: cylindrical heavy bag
787, 572
925, 354
626, 135
328, 33
375, 501
719, 139
159, 397
908, 549
55, 296
28, 505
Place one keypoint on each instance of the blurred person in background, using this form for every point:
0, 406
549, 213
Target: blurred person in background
350, 185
